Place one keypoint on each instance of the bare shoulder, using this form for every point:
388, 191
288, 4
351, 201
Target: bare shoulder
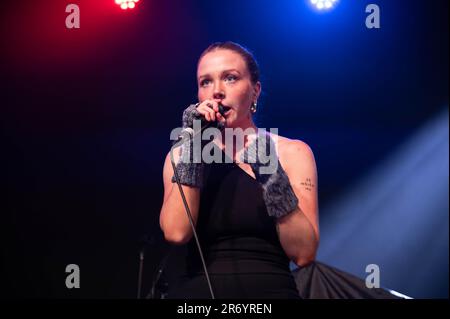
292, 150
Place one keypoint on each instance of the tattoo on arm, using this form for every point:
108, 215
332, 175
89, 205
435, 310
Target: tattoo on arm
307, 184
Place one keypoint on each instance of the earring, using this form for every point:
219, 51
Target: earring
253, 107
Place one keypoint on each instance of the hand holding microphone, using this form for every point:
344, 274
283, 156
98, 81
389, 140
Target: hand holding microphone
211, 114
212, 111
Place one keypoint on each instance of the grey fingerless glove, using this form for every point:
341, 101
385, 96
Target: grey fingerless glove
189, 115
189, 173
278, 194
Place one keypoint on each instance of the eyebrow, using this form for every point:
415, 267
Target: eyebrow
224, 71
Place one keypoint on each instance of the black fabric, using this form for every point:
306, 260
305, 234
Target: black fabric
239, 240
321, 281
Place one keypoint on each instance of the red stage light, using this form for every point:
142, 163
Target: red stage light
126, 4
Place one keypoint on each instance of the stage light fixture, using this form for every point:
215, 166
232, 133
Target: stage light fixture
126, 4
323, 4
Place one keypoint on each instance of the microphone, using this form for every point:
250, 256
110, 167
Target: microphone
205, 124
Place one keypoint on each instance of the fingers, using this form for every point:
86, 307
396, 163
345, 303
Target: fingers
209, 109
220, 118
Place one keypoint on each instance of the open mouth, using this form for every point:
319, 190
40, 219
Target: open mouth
226, 109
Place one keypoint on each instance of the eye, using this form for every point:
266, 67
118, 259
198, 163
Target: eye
231, 78
204, 82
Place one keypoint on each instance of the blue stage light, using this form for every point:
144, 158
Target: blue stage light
323, 4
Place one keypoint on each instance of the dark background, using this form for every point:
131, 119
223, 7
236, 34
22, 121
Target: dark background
86, 116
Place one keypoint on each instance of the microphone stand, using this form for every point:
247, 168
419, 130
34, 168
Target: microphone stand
157, 277
188, 133
144, 242
141, 265
188, 211
159, 270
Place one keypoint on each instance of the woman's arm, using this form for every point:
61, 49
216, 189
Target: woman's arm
299, 230
173, 219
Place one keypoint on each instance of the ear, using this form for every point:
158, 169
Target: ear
257, 90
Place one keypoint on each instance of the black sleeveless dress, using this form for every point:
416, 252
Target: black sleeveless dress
239, 241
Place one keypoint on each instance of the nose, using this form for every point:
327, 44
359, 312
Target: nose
218, 93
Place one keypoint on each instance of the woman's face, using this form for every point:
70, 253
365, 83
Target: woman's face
223, 76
